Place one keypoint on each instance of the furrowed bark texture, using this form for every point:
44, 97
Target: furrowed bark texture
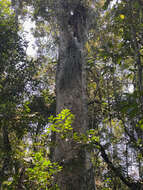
77, 173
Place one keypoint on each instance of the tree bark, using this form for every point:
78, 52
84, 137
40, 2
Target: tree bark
77, 173
6, 164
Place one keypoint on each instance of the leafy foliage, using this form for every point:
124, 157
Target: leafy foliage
115, 98
42, 171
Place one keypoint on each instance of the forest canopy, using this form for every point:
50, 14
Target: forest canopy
71, 114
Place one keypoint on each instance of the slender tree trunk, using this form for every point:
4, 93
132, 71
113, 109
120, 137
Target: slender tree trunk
6, 164
77, 173
137, 55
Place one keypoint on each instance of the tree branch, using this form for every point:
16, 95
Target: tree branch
118, 172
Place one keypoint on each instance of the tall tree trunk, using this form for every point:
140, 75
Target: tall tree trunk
77, 173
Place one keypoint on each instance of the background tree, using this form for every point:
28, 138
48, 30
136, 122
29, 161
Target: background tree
116, 68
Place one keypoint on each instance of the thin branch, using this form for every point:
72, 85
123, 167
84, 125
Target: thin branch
118, 172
